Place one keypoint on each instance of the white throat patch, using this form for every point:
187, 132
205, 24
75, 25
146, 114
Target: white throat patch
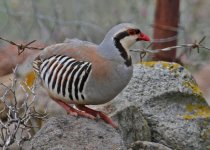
128, 41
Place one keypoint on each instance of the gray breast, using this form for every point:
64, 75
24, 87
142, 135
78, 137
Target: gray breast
99, 92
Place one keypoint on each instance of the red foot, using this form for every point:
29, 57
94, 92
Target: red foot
74, 112
97, 113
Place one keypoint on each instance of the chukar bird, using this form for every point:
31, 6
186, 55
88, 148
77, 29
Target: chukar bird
83, 73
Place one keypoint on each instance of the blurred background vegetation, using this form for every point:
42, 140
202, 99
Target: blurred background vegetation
51, 21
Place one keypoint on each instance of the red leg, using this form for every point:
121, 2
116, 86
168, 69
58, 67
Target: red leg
97, 113
73, 111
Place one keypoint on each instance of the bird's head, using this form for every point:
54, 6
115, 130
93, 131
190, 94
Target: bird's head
121, 37
127, 34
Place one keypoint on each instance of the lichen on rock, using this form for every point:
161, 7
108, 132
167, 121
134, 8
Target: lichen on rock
194, 111
188, 84
162, 100
171, 102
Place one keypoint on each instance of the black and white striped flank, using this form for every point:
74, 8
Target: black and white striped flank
65, 76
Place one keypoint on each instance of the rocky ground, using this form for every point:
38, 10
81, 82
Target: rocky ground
162, 108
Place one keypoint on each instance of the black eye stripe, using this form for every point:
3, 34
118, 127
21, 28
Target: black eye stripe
133, 31
123, 34
138, 31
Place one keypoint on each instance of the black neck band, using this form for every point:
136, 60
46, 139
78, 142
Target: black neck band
122, 50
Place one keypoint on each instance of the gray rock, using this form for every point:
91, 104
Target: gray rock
76, 133
132, 125
171, 102
145, 145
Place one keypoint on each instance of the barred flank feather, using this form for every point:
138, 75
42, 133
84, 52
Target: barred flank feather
64, 76
36, 64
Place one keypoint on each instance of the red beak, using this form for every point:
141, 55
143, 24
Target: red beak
143, 37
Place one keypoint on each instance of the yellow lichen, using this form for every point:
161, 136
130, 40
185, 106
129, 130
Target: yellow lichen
29, 81
148, 63
166, 65
30, 78
197, 111
188, 82
193, 86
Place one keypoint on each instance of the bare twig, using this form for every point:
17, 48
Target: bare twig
19, 118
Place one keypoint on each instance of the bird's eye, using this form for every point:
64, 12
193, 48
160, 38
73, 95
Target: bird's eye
131, 31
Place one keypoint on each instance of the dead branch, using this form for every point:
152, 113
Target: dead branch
17, 127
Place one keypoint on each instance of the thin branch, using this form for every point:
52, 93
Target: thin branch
16, 122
